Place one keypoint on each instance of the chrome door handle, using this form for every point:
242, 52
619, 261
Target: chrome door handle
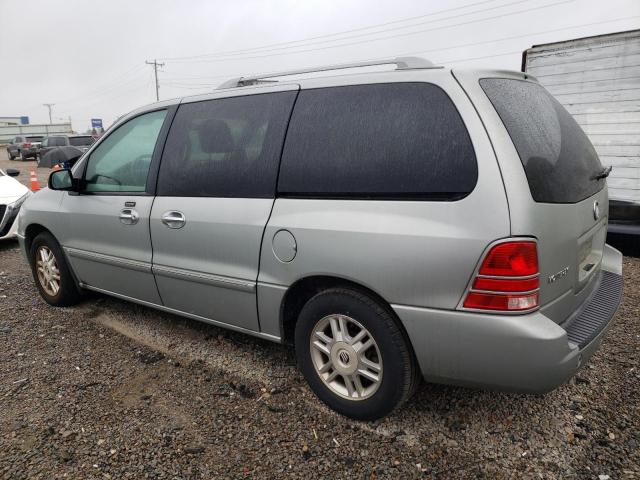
129, 216
173, 219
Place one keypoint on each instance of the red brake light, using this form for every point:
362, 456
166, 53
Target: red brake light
514, 259
495, 287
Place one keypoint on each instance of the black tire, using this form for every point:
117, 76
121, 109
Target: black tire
11, 156
68, 293
400, 374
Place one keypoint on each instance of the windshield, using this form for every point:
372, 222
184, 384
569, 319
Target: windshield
80, 141
558, 158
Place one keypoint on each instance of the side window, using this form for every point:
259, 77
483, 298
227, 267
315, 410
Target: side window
121, 162
391, 140
226, 147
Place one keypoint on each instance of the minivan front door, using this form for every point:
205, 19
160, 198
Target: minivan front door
216, 188
107, 233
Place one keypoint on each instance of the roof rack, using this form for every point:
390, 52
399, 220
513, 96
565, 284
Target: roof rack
401, 63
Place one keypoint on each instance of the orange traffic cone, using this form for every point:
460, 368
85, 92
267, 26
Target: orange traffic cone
35, 186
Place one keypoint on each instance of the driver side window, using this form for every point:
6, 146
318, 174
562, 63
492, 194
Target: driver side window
121, 162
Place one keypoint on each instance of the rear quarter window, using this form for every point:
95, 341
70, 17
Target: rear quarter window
377, 141
558, 158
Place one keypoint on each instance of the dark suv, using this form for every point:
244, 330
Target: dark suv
81, 142
24, 147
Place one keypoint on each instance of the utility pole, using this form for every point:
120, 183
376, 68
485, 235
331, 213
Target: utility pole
155, 72
49, 105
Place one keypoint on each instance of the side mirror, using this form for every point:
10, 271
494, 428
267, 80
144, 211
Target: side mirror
12, 172
61, 180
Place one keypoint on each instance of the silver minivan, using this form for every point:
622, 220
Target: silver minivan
392, 225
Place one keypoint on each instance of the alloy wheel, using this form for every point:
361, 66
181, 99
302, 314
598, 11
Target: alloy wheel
346, 357
48, 271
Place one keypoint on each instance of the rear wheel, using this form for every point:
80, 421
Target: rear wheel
51, 272
354, 355
11, 155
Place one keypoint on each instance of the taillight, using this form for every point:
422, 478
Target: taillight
507, 279
26, 145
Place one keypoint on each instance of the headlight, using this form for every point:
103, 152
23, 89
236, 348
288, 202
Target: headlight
18, 203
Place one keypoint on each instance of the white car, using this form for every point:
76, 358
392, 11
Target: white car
12, 196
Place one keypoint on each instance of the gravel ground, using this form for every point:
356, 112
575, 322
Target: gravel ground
109, 389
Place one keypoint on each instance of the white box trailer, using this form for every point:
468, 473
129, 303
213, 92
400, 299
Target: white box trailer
598, 80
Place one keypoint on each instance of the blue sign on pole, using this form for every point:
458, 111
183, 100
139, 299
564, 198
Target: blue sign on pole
96, 123
24, 120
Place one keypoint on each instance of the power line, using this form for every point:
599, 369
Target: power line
113, 84
405, 34
179, 83
344, 32
513, 37
107, 90
155, 72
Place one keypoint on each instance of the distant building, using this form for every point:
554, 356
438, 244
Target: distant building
13, 121
10, 127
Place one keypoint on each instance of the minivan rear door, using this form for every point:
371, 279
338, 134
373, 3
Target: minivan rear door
216, 188
554, 181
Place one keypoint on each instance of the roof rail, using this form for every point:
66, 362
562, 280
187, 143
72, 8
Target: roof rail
401, 63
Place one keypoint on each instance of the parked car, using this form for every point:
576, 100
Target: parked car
23, 147
392, 225
12, 196
82, 142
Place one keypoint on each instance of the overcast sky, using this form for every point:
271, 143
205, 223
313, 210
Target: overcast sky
87, 57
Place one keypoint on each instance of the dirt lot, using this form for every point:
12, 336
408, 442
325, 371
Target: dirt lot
113, 390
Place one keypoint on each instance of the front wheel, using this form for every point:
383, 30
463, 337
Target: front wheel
354, 354
51, 272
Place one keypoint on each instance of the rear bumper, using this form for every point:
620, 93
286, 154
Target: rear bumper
526, 353
29, 152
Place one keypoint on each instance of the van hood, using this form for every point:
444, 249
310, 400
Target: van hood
10, 190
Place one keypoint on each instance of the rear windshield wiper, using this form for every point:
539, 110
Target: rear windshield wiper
604, 173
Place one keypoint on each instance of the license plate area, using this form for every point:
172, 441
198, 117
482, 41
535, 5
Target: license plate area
590, 249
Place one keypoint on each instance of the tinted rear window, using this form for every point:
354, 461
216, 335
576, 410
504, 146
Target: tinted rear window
57, 141
382, 140
79, 141
557, 156
34, 139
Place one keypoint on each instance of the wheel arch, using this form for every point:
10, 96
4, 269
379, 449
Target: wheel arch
31, 232
302, 290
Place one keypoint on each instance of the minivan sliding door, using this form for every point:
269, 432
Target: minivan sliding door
216, 188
